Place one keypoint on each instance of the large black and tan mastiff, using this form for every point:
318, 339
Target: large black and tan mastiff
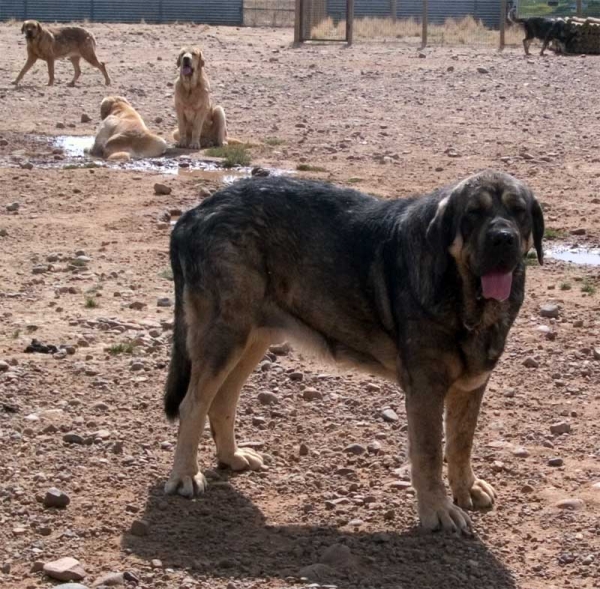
422, 291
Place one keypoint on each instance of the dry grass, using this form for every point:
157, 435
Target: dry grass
464, 31
269, 13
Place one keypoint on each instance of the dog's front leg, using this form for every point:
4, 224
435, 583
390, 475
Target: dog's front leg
31, 59
462, 410
50, 72
182, 127
198, 123
425, 390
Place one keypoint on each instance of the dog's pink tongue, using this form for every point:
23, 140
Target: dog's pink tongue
496, 285
186, 70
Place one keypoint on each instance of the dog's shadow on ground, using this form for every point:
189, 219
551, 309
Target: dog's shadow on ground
223, 534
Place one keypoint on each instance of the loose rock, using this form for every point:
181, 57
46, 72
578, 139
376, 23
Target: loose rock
56, 498
65, 569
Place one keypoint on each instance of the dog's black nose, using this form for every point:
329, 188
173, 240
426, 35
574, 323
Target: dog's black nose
503, 238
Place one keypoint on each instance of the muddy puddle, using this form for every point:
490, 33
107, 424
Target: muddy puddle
575, 255
69, 152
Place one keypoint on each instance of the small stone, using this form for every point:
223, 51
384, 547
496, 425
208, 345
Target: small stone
72, 438
422, 55
578, 231
137, 305
267, 398
374, 448
560, 427
555, 462
56, 498
110, 580
530, 362
389, 415
85, 118
588, 560
162, 189
4, 366
311, 394
482, 70
6, 568
596, 353
521, 452
549, 310
65, 569
158, 120
156, 563
164, 302
3, 233
282, 349
296, 375
13, 207
303, 451
573, 504
373, 388
356, 449
139, 527
316, 572
71, 586
527, 489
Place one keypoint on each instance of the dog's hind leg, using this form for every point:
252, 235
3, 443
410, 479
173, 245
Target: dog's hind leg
90, 56
223, 409
215, 346
526, 44
76, 70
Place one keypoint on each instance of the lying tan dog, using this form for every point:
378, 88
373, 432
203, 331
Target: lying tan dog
199, 123
122, 134
64, 42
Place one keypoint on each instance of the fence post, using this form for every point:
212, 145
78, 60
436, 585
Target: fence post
394, 10
502, 24
349, 21
579, 8
424, 19
298, 22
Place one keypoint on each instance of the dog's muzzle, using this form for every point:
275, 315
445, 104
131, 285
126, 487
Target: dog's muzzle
501, 256
186, 66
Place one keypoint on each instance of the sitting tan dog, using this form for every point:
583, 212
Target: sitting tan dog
57, 43
199, 123
122, 134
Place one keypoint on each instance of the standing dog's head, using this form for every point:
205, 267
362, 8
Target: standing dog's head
190, 63
488, 223
109, 103
31, 28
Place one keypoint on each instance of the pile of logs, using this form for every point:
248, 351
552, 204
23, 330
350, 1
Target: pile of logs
584, 35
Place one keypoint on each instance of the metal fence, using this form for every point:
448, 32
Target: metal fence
215, 12
426, 22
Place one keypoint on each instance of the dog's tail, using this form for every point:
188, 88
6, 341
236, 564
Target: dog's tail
180, 366
512, 17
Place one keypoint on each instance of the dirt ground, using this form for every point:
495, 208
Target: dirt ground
84, 263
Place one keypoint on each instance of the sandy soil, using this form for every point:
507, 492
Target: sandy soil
376, 117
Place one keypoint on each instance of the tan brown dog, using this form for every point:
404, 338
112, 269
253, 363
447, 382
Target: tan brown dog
58, 43
122, 134
199, 123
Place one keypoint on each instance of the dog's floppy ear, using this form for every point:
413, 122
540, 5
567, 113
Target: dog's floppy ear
441, 230
106, 106
538, 229
200, 58
179, 57
23, 28
38, 27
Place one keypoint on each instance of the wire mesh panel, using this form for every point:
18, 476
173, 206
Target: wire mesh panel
269, 13
323, 21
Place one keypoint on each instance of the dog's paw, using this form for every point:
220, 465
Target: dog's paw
244, 459
71, 84
186, 485
442, 514
181, 144
15, 83
194, 144
481, 495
